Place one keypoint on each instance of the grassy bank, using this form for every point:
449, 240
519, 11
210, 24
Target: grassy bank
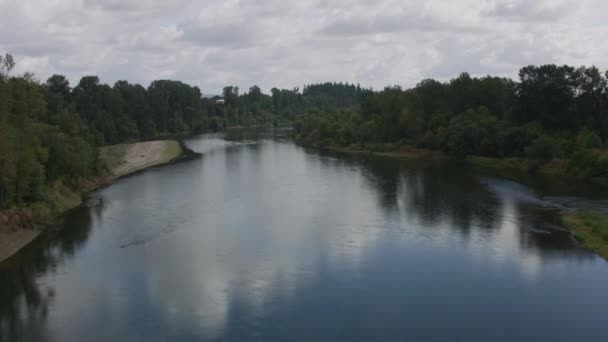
386, 150
411, 152
554, 167
590, 228
19, 226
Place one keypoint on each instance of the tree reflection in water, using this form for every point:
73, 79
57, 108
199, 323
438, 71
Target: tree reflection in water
448, 193
24, 303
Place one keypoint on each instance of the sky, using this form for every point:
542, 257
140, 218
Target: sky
284, 44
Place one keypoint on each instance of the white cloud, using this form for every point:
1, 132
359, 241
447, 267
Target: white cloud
286, 44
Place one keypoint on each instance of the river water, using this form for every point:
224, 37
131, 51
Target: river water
263, 240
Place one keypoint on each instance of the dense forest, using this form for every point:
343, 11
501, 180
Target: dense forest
553, 114
281, 107
50, 131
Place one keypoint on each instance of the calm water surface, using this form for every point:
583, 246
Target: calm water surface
262, 240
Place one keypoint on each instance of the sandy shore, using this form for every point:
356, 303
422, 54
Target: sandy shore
12, 241
17, 228
129, 158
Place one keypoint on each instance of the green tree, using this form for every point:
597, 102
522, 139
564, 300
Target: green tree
7, 63
543, 148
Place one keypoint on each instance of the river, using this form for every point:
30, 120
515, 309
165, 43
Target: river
264, 240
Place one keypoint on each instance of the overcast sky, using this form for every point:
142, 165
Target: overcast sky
285, 43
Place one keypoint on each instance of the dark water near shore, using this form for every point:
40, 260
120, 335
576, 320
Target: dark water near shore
262, 240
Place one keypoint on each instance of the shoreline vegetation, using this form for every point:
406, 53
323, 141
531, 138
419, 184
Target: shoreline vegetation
554, 167
20, 226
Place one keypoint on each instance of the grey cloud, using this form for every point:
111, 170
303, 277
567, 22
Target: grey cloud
531, 11
462, 55
388, 23
134, 5
235, 34
522, 51
272, 7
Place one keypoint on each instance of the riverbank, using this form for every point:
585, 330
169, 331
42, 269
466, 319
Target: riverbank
392, 151
555, 167
590, 228
121, 160
20, 226
17, 229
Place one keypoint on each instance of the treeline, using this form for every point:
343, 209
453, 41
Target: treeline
254, 108
50, 131
551, 112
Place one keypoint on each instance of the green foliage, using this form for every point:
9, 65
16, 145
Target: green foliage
49, 133
543, 148
327, 128
553, 112
587, 139
255, 108
472, 133
589, 164
513, 140
328, 96
7, 63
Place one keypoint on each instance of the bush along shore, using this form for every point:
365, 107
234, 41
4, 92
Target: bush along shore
554, 167
20, 226
590, 228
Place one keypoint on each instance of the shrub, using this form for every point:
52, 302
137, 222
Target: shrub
543, 148
587, 139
